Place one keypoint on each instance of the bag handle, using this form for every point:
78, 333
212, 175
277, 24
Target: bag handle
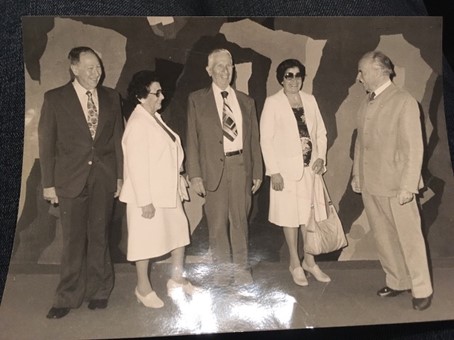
325, 192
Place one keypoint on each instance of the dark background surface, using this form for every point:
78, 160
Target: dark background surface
12, 105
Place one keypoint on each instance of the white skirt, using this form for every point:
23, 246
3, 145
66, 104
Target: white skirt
291, 207
148, 238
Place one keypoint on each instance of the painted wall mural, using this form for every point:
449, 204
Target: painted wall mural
177, 48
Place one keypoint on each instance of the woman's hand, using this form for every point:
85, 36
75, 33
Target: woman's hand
148, 211
197, 186
355, 185
405, 196
318, 166
255, 185
277, 182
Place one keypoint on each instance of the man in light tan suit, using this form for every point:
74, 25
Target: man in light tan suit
387, 172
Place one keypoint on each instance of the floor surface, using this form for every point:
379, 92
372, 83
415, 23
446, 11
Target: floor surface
273, 302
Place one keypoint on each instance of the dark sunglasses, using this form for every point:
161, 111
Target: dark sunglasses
158, 93
290, 75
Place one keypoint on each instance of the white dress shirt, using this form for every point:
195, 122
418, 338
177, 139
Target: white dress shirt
83, 97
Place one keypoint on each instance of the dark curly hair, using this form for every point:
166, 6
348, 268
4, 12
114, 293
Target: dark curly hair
285, 65
139, 86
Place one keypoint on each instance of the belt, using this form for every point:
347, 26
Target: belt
233, 153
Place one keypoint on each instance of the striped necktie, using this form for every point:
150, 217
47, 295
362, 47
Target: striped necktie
228, 123
92, 118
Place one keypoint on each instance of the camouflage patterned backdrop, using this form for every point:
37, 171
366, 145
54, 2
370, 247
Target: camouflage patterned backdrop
177, 48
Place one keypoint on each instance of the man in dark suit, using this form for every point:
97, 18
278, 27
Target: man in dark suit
80, 132
224, 164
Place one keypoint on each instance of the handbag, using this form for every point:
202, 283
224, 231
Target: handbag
183, 189
321, 237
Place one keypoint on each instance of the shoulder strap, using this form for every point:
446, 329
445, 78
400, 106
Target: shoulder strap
325, 191
165, 129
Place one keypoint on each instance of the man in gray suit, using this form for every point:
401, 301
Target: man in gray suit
224, 164
80, 131
387, 172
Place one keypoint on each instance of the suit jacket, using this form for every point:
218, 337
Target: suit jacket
279, 136
152, 162
204, 145
66, 149
389, 147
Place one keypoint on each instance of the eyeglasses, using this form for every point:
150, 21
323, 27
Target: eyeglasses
158, 93
290, 75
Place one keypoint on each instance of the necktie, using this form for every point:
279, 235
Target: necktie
92, 118
371, 96
228, 123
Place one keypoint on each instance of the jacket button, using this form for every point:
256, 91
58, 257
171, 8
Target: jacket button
90, 162
222, 160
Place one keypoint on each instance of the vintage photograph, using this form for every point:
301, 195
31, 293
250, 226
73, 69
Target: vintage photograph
199, 175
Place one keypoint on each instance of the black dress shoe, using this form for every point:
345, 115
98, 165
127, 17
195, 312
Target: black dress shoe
57, 313
97, 303
422, 303
389, 292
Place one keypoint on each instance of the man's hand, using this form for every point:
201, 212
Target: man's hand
277, 182
119, 186
355, 185
256, 185
50, 195
148, 211
318, 166
197, 185
405, 196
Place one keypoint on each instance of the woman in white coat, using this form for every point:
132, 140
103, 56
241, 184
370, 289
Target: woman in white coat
153, 189
293, 141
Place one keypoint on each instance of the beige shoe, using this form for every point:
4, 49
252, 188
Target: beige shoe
187, 287
150, 301
298, 276
243, 278
317, 272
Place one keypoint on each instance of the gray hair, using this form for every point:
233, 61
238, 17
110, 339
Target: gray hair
217, 51
382, 62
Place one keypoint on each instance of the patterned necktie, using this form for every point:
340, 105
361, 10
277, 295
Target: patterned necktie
92, 118
228, 123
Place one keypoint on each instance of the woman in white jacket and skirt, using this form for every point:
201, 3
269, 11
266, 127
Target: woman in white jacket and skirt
153, 190
293, 141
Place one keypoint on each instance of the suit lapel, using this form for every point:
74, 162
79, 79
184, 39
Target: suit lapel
74, 107
287, 114
212, 110
102, 111
244, 112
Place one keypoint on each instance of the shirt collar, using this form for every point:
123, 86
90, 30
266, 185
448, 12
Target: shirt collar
80, 89
217, 90
382, 88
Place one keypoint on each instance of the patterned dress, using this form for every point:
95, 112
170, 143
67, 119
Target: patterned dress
306, 143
